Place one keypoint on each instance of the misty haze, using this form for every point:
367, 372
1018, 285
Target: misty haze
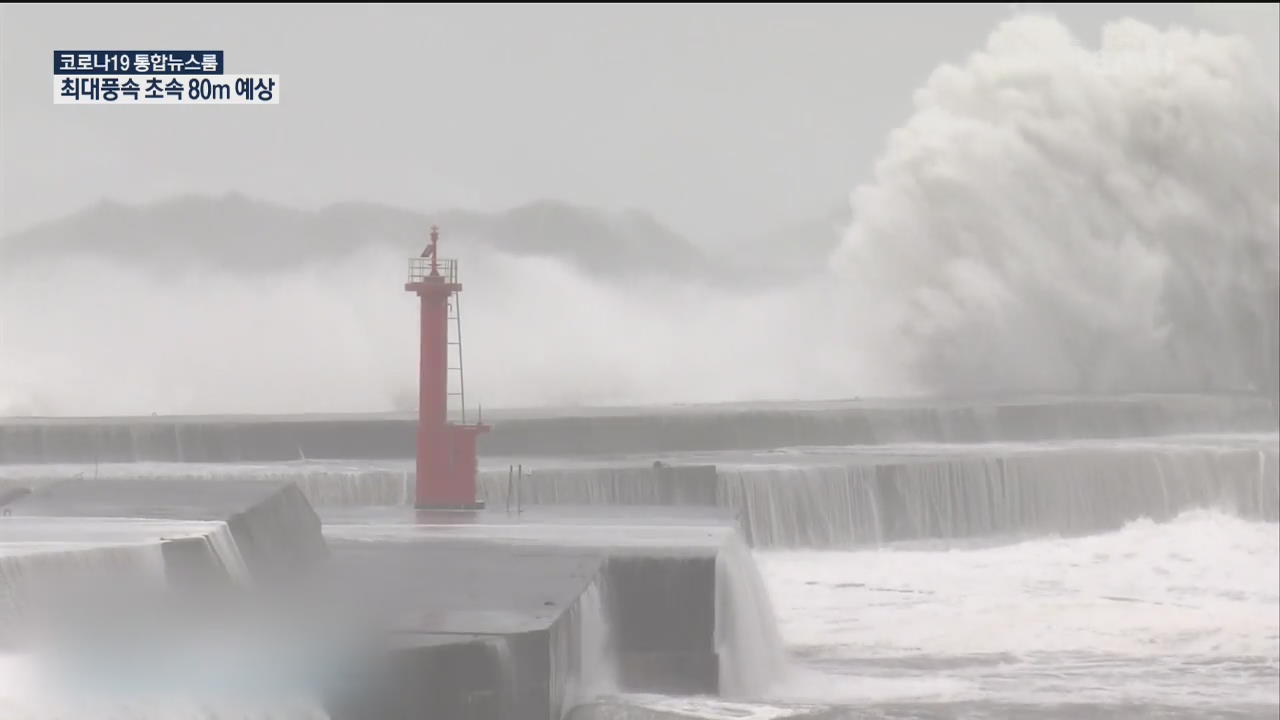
816, 362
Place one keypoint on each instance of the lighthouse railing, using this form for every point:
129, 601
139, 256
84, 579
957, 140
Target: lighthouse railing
420, 269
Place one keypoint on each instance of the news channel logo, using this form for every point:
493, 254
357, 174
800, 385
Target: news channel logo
156, 77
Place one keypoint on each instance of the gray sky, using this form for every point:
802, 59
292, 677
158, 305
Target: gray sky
719, 120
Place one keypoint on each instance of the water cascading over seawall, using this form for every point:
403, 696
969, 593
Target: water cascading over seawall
54, 571
839, 497
38, 584
752, 657
1060, 493
1001, 492
586, 650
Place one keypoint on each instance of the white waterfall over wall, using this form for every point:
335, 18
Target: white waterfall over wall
1006, 491
572, 486
1063, 492
354, 488
842, 497
596, 652
42, 582
751, 653
583, 653
80, 619
223, 545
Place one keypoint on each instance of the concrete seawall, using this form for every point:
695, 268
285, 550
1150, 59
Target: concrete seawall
438, 615
655, 573
828, 497
665, 610
624, 431
852, 501
475, 629
609, 573
272, 527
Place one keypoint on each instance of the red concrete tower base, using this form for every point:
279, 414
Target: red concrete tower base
446, 470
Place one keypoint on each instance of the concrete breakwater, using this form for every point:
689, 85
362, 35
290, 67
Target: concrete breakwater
624, 431
446, 615
614, 562
821, 503
824, 497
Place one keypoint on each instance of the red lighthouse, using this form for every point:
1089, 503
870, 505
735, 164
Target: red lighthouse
446, 478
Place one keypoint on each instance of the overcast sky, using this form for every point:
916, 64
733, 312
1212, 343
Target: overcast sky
719, 120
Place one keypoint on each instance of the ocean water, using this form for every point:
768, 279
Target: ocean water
1177, 619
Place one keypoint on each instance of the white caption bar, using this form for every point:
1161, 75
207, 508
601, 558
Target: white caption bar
166, 89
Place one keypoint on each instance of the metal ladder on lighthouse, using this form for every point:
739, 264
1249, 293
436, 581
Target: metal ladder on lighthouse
454, 309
